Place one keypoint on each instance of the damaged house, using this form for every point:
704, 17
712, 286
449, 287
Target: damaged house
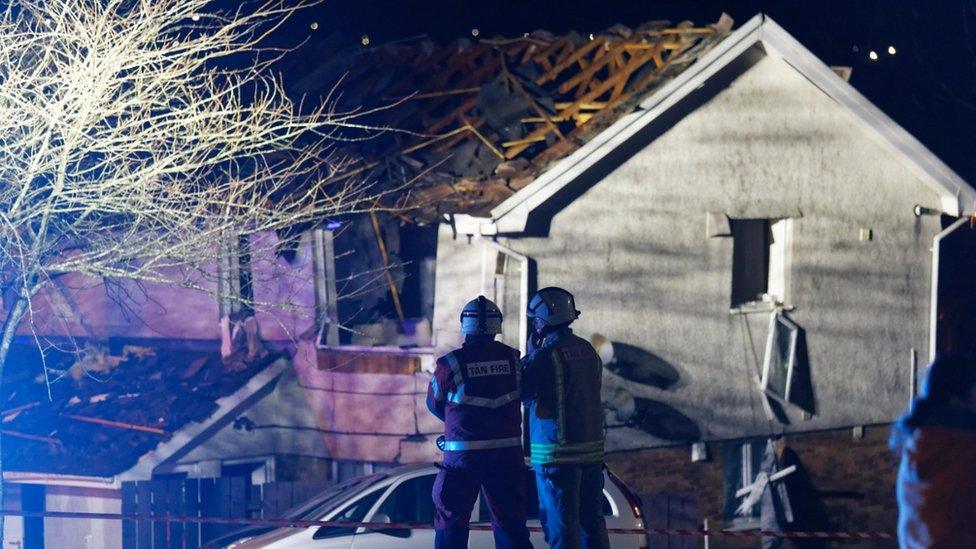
757, 251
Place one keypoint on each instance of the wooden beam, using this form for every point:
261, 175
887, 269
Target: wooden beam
26, 436
116, 424
665, 32
584, 105
536, 137
566, 62
584, 76
386, 265
485, 140
532, 103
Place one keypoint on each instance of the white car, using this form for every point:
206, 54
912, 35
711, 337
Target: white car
402, 495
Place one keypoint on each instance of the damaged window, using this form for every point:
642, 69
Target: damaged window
740, 462
780, 359
760, 261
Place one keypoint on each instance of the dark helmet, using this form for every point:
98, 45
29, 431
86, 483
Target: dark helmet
481, 317
554, 306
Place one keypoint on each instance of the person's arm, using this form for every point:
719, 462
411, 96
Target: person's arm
437, 391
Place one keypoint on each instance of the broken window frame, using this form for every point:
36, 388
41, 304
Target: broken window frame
234, 277
775, 319
326, 294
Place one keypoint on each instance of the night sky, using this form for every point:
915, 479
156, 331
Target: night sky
928, 86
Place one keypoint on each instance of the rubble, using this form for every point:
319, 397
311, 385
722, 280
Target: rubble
466, 124
100, 422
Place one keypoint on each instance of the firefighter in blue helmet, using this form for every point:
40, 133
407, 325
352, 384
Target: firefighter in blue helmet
561, 379
475, 391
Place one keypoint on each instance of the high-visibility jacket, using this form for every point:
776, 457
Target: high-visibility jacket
476, 391
561, 390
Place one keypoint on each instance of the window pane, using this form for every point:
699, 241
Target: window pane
782, 346
411, 501
354, 513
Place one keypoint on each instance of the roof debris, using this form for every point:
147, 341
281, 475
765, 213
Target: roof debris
474, 121
100, 423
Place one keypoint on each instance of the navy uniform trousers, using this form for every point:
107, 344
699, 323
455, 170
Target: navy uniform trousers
501, 475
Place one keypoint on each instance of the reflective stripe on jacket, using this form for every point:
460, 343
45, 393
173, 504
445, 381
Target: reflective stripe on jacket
561, 389
476, 391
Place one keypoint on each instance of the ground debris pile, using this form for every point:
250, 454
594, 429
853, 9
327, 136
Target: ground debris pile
110, 403
473, 121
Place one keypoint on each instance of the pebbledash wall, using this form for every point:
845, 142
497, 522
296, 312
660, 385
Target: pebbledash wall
632, 245
853, 479
633, 248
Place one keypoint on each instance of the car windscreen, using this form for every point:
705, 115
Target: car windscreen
331, 498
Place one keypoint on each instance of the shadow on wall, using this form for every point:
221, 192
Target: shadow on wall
636, 365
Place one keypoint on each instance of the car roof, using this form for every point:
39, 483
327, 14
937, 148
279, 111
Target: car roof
409, 469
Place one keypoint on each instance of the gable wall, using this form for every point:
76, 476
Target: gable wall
633, 249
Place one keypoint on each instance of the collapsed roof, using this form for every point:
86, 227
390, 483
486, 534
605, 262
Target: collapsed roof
472, 122
109, 404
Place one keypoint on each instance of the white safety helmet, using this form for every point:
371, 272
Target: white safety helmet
554, 306
481, 317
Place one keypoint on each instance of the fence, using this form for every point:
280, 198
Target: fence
228, 497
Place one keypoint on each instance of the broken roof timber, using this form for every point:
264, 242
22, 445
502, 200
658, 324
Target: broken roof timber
511, 215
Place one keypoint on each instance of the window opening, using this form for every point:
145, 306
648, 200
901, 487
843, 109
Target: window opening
761, 257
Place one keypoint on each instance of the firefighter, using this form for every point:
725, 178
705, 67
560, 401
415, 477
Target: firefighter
561, 387
475, 391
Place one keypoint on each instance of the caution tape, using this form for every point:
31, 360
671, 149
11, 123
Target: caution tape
288, 523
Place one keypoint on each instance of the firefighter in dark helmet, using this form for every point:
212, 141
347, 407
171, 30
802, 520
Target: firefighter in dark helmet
561, 378
476, 391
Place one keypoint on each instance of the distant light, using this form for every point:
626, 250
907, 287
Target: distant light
591, 36
475, 32
365, 40
891, 50
526, 35
873, 55
195, 17
314, 25
856, 48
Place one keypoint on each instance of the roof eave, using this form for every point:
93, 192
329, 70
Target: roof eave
55, 479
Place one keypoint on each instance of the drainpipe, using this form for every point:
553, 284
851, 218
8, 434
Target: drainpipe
934, 318
523, 289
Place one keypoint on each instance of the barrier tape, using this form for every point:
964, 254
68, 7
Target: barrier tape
285, 523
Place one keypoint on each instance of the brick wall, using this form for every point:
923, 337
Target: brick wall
854, 480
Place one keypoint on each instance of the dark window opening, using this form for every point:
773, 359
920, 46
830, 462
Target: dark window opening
367, 306
750, 260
